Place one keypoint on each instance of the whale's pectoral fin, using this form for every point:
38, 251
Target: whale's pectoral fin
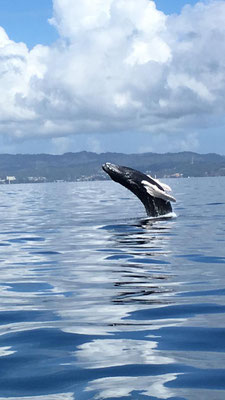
154, 191
167, 188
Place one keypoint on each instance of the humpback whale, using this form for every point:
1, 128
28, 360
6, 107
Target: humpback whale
152, 193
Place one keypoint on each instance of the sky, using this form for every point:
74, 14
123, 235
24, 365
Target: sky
112, 75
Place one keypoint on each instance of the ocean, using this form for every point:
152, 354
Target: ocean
99, 302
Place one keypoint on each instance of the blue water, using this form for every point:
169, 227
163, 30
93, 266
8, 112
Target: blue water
98, 302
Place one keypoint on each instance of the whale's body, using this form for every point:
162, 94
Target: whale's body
152, 193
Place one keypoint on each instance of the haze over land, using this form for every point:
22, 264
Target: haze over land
23, 168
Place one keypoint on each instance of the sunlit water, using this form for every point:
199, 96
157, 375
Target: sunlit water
97, 302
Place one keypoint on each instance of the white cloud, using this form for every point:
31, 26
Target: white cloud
119, 65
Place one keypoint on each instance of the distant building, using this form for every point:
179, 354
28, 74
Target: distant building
176, 175
10, 179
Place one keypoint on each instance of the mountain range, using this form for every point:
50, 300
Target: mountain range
87, 165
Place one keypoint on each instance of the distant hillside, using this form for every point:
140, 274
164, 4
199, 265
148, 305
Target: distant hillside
87, 165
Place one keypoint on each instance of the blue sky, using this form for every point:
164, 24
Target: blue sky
27, 21
112, 76
173, 6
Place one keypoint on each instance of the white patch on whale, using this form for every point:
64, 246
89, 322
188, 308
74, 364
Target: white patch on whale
167, 188
154, 191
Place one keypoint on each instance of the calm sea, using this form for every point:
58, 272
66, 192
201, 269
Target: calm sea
98, 302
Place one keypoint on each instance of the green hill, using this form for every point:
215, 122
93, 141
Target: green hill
87, 165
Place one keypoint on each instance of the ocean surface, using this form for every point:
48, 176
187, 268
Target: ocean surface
99, 302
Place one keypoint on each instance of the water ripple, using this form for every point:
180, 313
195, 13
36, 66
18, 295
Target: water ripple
99, 303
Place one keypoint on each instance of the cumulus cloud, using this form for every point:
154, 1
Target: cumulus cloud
119, 65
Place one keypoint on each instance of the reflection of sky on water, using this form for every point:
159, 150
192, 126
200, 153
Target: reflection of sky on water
62, 396
152, 386
102, 291
101, 353
6, 351
101, 265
